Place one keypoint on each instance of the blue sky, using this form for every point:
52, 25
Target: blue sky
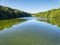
31, 6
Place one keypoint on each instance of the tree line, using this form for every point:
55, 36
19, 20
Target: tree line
8, 13
54, 14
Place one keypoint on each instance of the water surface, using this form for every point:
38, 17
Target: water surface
29, 32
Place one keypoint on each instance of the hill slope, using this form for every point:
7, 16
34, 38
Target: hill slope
54, 13
8, 13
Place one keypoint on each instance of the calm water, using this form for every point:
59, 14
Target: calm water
29, 32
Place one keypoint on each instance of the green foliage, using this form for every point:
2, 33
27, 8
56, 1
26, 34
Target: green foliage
9, 23
53, 22
54, 13
8, 13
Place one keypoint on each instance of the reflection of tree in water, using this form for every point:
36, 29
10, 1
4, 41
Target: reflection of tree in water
9, 23
53, 22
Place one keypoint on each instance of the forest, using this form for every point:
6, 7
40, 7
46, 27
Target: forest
9, 13
53, 14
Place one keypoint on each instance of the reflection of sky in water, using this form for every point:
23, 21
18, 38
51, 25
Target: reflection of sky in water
31, 30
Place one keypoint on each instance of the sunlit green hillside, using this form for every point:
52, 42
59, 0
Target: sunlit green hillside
53, 13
